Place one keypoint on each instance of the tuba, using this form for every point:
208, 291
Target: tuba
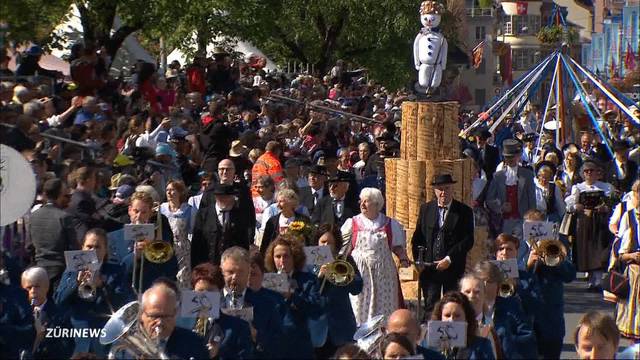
123, 327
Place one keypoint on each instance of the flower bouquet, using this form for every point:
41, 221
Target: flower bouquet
301, 231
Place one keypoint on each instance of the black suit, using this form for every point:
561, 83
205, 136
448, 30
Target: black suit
630, 172
325, 212
272, 230
307, 197
52, 233
244, 202
454, 239
489, 160
211, 238
82, 207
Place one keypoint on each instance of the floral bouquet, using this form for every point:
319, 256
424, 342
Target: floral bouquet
301, 231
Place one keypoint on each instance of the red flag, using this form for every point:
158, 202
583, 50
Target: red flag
630, 58
506, 68
522, 7
476, 54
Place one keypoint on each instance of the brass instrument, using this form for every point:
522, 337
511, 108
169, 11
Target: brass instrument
339, 272
551, 251
507, 288
157, 252
201, 326
123, 327
369, 336
87, 288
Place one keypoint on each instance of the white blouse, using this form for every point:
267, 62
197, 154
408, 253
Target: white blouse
397, 232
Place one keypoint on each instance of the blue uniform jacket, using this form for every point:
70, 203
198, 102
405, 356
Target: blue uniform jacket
549, 323
267, 320
16, 322
235, 333
53, 316
528, 291
428, 353
93, 314
337, 322
184, 344
479, 349
151, 271
516, 335
305, 303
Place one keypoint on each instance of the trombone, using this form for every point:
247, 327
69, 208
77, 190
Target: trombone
551, 251
157, 252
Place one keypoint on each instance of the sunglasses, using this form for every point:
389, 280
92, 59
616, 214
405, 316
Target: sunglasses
588, 171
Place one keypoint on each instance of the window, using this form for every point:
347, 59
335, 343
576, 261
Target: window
508, 29
534, 24
480, 33
523, 59
480, 96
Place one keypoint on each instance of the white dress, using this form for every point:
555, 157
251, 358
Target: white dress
372, 255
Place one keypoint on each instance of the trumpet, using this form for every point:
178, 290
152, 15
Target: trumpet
507, 288
551, 251
87, 288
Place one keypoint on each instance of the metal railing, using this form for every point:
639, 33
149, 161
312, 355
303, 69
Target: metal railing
478, 12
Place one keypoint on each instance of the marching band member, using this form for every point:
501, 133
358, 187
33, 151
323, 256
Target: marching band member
474, 289
158, 315
505, 315
336, 326
92, 297
46, 314
373, 237
256, 276
591, 238
303, 300
403, 322
267, 323
454, 306
396, 346
141, 212
16, 321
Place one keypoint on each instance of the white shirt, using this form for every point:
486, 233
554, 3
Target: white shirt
512, 175
227, 298
316, 198
573, 199
220, 213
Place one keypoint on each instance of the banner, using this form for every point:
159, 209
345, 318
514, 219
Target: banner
522, 7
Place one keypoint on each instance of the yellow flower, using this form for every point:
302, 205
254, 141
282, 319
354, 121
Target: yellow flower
296, 226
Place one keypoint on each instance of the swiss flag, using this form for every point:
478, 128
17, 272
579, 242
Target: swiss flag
521, 7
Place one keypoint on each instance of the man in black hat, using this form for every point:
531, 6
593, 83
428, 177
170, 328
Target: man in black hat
220, 227
445, 232
512, 193
529, 151
489, 155
337, 207
311, 195
622, 172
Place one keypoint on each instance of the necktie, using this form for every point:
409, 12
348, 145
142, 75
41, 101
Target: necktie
316, 195
225, 218
443, 213
337, 205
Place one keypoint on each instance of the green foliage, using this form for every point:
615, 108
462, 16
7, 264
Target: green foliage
555, 34
32, 20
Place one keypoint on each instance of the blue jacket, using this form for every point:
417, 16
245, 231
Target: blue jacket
152, 271
184, 344
549, 323
16, 322
516, 335
429, 353
93, 314
528, 291
267, 320
337, 322
53, 316
305, 303
480, 349
235, 334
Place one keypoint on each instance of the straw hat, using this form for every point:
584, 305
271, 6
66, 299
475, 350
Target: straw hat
237, 149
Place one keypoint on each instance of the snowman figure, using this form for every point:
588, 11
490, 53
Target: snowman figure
430, 48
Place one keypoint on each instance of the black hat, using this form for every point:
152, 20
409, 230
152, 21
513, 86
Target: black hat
530, 137
341, 176
511, 147
224, 189
548, 164
442, 179
620, 145
318, 169
293, 162
483, 134
385, 136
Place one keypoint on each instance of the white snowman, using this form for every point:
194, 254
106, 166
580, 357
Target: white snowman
430, 48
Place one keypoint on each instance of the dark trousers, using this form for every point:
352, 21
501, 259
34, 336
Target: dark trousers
327, 351
435, 283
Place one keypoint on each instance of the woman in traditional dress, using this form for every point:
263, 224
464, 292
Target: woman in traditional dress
549, 197
570, 174
591, 237
373, 237
627, 314
181, 217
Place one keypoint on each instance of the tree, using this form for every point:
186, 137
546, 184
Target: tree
31, 20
